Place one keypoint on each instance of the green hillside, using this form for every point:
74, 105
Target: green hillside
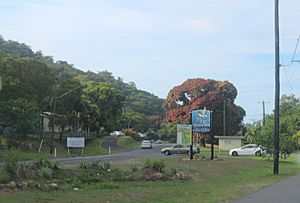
29, 80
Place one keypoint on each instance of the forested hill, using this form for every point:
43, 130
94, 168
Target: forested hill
23, 66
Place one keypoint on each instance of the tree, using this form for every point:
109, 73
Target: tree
289, 128
26, 78
30, 75
200, 93
109, 101
20, 114
68, 106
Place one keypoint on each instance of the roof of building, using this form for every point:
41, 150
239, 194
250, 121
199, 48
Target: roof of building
230, 137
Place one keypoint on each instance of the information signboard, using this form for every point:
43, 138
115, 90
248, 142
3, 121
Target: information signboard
184, 134
75, 142
201, 120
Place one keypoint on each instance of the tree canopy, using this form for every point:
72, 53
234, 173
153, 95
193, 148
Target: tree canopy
200, 93
289, 128
27, 89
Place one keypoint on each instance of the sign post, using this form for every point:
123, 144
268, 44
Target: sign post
202, 123
75, 142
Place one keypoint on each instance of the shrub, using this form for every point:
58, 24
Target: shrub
42, 163
11, 164
158, 166
83, 165
54, 165
24, 171
45, 173
134, 167
132, 133
173, 171
147, 163
99, 165
4, 177
106, 165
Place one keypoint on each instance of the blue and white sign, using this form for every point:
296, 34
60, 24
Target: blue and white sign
201, 121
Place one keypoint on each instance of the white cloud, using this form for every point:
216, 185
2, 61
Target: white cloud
159, 44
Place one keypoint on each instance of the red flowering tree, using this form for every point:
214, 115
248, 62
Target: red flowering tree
200, 93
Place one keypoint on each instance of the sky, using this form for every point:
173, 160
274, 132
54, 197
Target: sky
158, 44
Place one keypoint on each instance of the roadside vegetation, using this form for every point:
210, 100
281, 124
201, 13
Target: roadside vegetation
93, 148
128, 142
263, 134
169, 180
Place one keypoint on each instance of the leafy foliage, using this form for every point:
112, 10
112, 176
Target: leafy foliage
27, 89
289, 128
199, 93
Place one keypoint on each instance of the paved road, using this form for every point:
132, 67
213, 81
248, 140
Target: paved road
287, 191
113, 144
135, 154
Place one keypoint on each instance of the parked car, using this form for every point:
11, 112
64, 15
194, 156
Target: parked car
146, 144
247, 150
116, 133
158, 141
179, 149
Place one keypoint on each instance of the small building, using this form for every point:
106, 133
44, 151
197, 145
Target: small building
45, 121
229, 142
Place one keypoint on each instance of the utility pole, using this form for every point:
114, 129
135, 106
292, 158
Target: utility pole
53, 116
264, 111
55, 97
277, 91
212, 150
224, 112
224, 117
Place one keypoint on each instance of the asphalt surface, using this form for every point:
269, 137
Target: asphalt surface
287, 191
124, 156
112, 143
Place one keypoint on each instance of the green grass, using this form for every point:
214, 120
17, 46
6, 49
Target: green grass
211, 181
93, 148
128, 142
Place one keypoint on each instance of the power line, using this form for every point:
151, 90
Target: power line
287, 78
294, 55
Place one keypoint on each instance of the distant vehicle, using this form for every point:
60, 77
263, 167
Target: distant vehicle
158, 141
179, 149
146, 144
116, 133
247, 150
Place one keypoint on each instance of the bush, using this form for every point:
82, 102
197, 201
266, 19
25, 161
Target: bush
132, 133
147, 164
99, 165
45, 173
42, 163
83, 165
11, 164
158, 166
25, 171
4, 177
173, 171
134, 167
106, 165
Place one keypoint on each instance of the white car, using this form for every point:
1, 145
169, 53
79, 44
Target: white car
146, 144
116, 133
247, 150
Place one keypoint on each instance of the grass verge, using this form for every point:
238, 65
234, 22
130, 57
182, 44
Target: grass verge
128, 142
93, 148
220, 180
